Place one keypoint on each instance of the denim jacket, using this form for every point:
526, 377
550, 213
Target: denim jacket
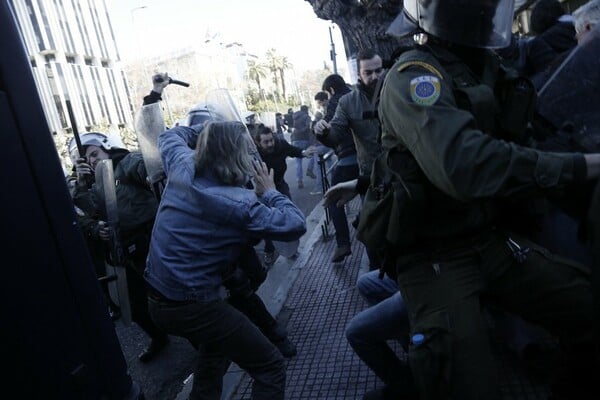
202, 224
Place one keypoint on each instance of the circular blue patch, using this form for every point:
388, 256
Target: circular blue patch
425, 90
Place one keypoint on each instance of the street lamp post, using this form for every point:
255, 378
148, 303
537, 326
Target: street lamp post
332, 53
138, 41
132, 13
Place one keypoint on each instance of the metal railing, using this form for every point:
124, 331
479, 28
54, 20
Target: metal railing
324, 171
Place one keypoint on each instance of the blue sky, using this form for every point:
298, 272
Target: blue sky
290, 26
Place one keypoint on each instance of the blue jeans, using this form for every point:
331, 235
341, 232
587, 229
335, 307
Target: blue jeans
369, 330
303, 144
222, 334
373, 289
341, 173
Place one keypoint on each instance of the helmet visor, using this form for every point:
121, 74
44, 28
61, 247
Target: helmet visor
402, 25
94, 139
473, 23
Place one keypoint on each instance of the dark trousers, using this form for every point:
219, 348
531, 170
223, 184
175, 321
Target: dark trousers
444, 289
242, 285
341, 173
223, 334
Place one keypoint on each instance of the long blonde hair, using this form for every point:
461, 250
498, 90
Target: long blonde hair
223, 149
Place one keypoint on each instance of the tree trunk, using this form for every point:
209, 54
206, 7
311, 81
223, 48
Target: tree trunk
363, 24
282, 75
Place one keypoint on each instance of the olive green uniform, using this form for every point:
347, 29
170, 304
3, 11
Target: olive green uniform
448, 121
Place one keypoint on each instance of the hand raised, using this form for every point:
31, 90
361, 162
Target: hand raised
160, 81
263, 178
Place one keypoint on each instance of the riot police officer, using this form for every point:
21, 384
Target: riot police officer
453, 124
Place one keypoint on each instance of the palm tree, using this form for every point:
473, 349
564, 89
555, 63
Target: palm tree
282, 66
274, 62
256, 72
278, 65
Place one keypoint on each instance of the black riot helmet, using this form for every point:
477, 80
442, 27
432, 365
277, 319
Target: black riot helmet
472, 23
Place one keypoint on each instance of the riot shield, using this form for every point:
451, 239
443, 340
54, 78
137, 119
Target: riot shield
116, 261
149, 123
572, 95
222, 108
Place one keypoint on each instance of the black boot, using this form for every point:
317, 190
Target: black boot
156, 345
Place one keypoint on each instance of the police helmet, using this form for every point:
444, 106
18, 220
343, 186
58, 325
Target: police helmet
107, 142
472, 23
197, 115
250, 117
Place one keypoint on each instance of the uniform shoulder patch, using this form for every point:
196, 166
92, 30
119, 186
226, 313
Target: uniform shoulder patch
425, 90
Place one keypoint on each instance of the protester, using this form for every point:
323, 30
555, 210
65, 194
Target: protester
463, 247
136, 210
369, 331
279, 126
346, 167
357, 112
274, 153
288, 120
301, 138
322, 98
206, 219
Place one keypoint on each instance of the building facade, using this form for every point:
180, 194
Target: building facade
74, 57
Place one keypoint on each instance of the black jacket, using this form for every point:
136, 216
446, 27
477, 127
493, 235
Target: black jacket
277, 159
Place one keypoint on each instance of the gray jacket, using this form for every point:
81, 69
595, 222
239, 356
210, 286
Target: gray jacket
365, 131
